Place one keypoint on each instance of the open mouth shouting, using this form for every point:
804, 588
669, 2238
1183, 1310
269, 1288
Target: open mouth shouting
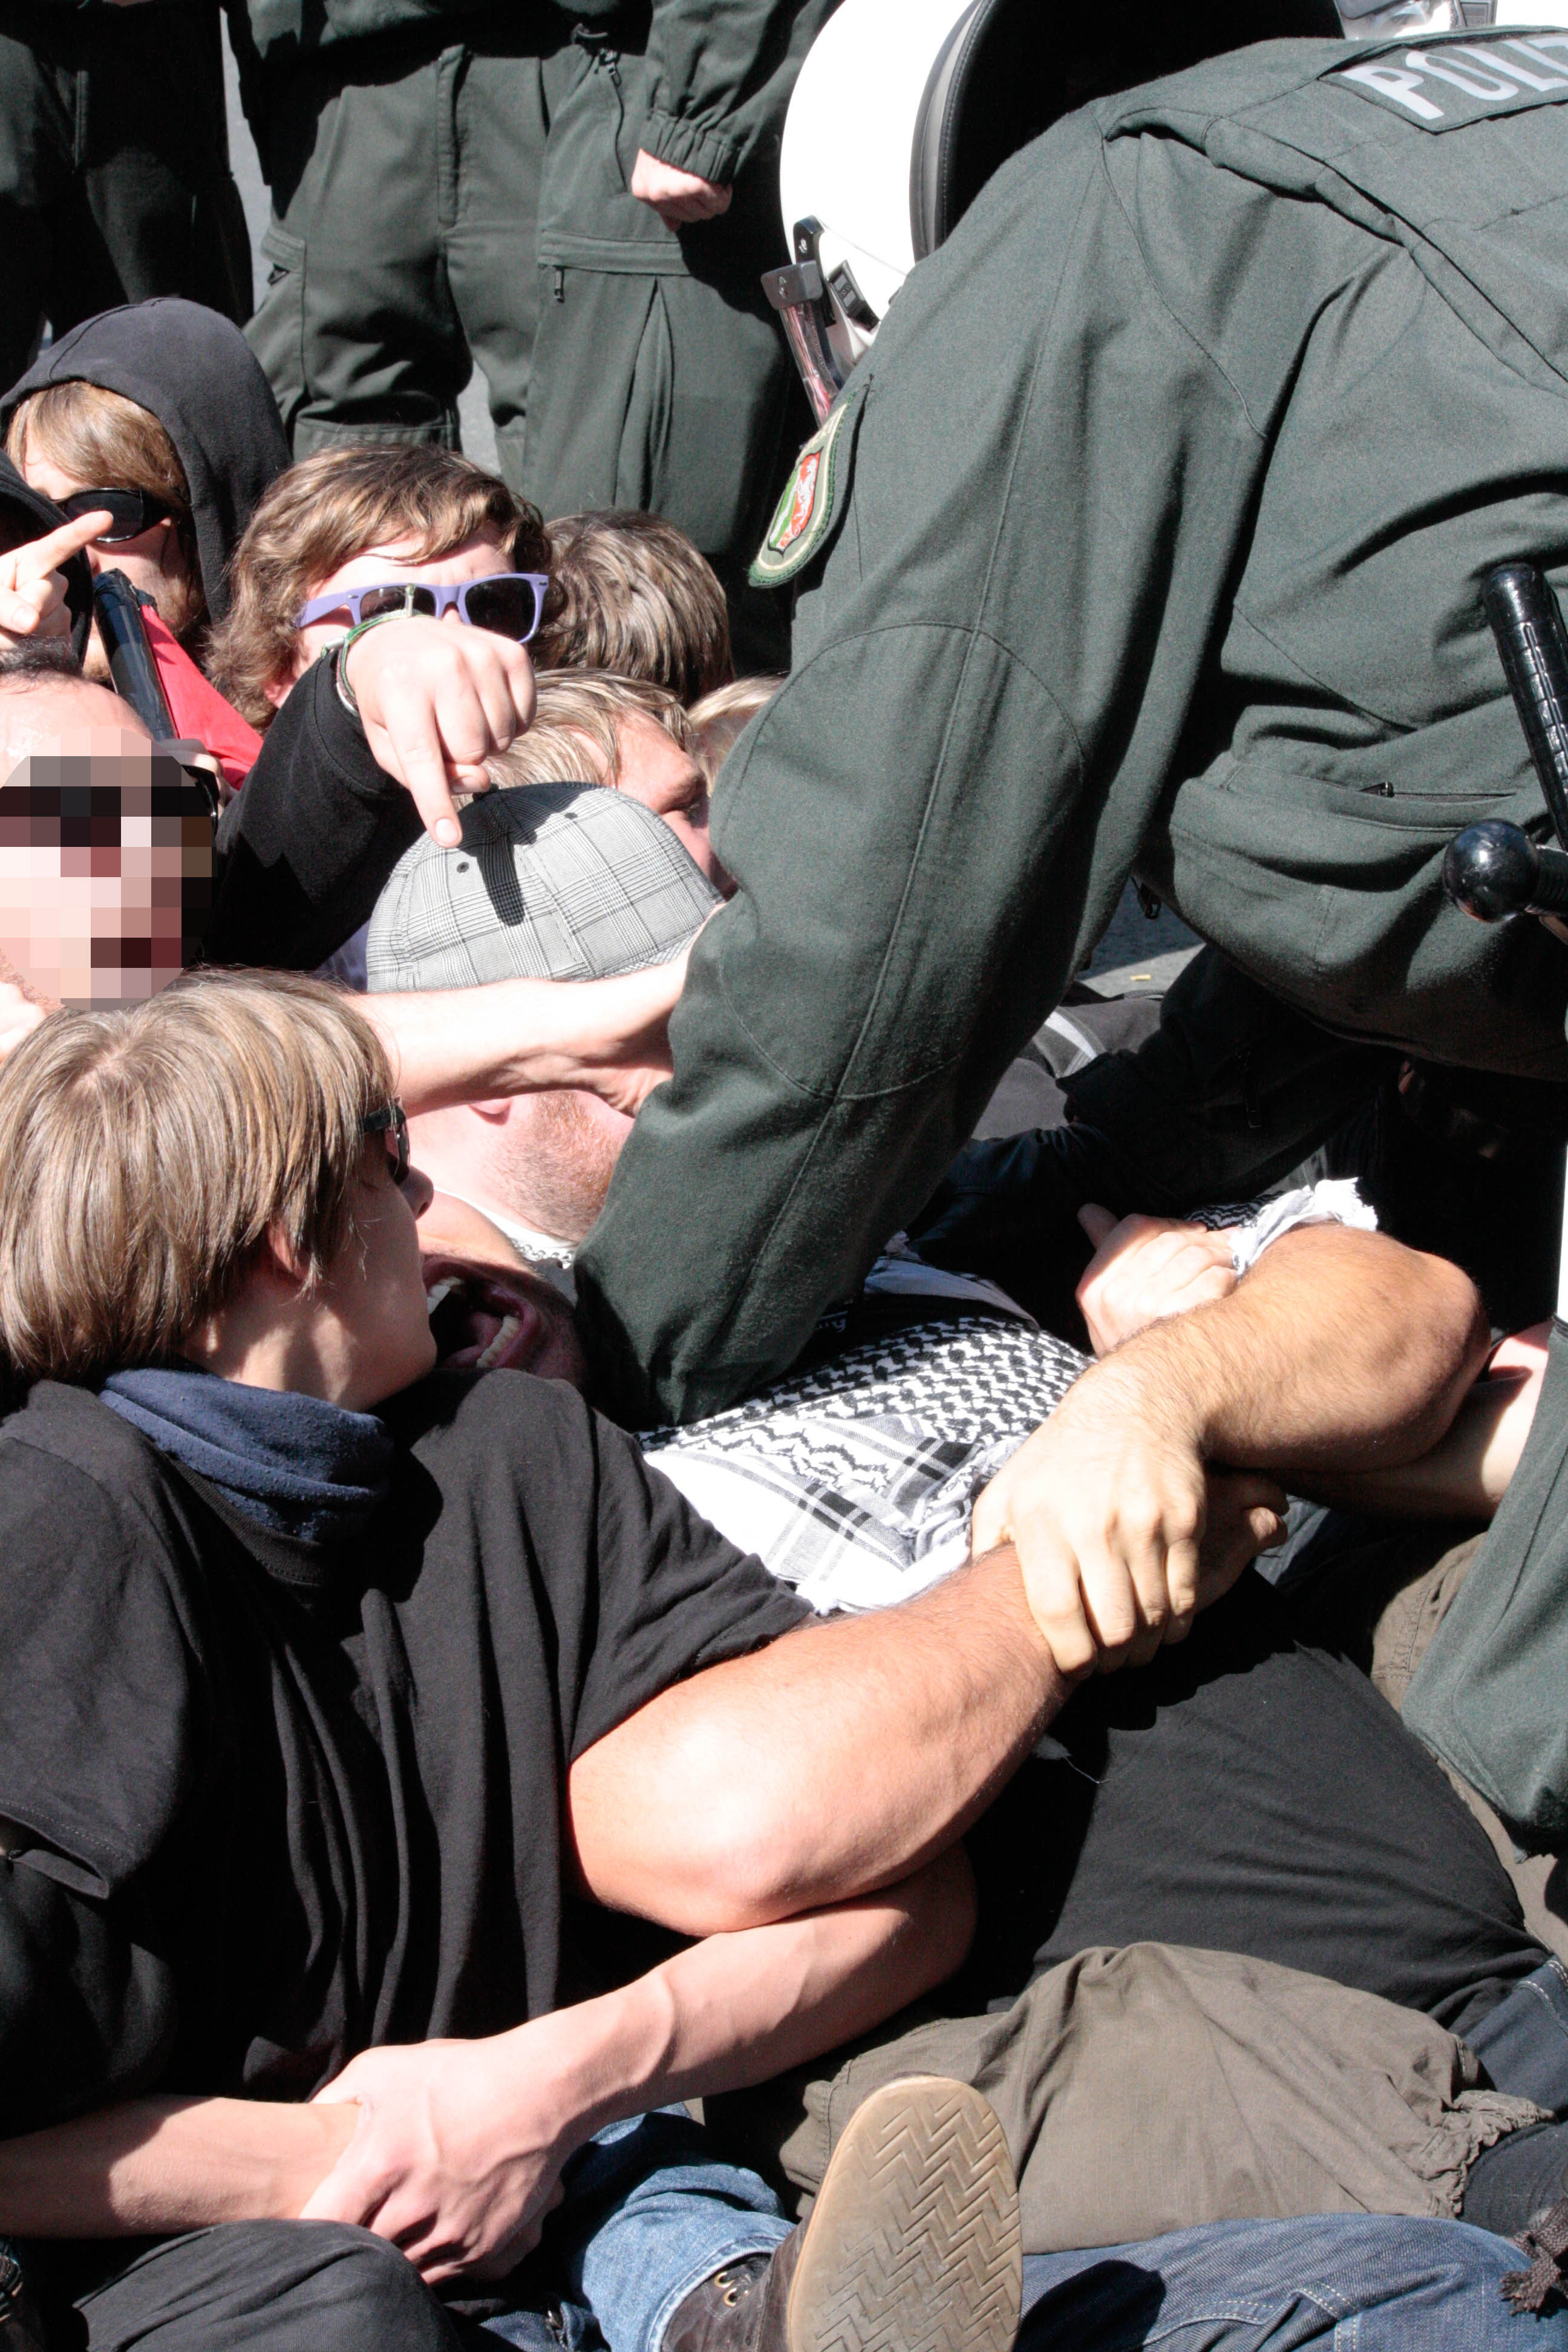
501, 1318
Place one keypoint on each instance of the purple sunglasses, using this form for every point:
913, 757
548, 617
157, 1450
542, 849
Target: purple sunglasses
509, 602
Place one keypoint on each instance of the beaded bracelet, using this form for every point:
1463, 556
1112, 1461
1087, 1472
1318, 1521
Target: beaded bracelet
339, 653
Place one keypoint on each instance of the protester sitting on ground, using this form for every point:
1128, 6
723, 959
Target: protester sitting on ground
353, 518
252, 1360
159, 407
722, 718
596, 729
247, 1425
630, 593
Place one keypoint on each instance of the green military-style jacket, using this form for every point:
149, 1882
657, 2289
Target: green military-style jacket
1149, 537
721, 77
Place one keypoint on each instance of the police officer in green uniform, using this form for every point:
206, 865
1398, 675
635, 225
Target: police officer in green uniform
114, 177
581, 196
1148, 538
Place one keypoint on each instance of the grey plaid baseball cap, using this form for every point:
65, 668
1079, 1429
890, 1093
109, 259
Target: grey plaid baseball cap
549, 882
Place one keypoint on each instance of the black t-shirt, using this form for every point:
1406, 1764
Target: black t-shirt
1246, 1793
289, 1804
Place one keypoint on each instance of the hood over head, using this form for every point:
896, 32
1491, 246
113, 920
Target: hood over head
196, 374
24, 514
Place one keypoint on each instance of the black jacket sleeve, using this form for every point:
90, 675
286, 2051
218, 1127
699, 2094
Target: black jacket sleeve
307, 845
1232, 1091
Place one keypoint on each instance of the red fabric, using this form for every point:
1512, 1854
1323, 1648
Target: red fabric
198, 709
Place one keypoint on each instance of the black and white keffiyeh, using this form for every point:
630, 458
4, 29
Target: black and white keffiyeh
854, 1483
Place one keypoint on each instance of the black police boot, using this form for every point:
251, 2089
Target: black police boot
912, 2244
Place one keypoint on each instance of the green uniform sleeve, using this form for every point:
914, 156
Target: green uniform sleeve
931, 823
724, 71
1150, 533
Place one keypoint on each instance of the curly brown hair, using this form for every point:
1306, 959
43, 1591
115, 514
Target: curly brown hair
326, 510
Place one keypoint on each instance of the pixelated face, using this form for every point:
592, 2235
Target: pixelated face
106, 865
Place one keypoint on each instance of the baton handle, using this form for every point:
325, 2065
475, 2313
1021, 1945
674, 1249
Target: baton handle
1493, 870
131, 664
1526, 622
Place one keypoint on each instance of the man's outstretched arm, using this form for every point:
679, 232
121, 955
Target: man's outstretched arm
1339, 1351
834, 1761
841, 1757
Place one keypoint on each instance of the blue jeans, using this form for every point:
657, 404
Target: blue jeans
1523, 2041
648, 2213
1355, 2283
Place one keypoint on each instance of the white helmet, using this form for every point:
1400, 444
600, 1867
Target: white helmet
903, 110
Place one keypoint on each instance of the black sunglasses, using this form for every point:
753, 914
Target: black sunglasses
391, 1121
133, 512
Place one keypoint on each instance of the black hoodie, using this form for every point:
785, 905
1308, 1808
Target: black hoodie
27, 514
197, 374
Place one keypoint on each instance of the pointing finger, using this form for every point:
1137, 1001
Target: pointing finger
71, 539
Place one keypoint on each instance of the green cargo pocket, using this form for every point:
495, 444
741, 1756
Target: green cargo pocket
277, 332
591, 327
651, 391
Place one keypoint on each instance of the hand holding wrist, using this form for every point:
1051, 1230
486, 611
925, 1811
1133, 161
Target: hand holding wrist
458, 2146
1105, 1504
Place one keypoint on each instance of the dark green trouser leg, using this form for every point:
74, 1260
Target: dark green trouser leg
109, 193
356, 328
500, 106
433, 203
404, 190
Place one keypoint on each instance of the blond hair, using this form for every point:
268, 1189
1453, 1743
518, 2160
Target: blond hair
149, 1151
328, 510
629, 592
107, 442
720, 718
575, 734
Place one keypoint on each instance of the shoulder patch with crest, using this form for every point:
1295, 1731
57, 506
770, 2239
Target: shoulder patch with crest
812, 503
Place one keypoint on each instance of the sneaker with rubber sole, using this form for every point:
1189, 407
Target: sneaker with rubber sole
911, 2246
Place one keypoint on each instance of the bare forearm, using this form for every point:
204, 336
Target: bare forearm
832, 1763
728, 2011
154, 2166
1339, 1351
517, 1036
452, 1046
1464, 1477
734, 2010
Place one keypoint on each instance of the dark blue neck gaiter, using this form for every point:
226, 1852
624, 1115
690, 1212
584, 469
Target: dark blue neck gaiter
301, 1466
